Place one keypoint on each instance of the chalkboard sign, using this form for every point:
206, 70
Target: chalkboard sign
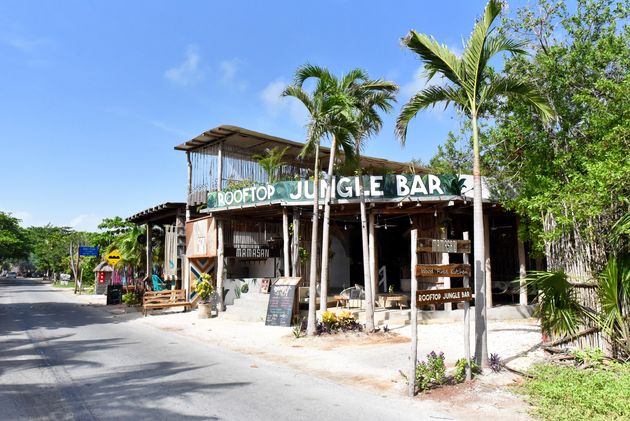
282, 302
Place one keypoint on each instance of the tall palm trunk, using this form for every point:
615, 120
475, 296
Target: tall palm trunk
326, 228
367, 264
312, 289
481, 333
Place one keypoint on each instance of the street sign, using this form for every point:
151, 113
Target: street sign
88, 251
431, 245
446, 271
113, 257
439, 296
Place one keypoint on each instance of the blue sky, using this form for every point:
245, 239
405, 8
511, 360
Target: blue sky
95, 95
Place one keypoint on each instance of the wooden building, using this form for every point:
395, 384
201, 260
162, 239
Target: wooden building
257, 227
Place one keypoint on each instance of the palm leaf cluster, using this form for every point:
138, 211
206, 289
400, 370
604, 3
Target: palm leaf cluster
470, 84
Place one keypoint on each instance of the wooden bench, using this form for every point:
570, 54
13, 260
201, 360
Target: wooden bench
154, 300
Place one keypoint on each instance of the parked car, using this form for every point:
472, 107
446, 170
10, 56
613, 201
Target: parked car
11, 275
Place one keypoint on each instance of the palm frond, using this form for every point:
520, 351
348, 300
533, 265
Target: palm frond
307, 71
301, 95
511, 86
436, 57
427, 97
473, 57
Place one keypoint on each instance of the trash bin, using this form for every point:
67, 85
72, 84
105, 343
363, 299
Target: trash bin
114, 294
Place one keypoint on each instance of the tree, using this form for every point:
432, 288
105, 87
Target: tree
369, 123
569, 180
13, 239
324, 121
471, 85
271, 162
50, 247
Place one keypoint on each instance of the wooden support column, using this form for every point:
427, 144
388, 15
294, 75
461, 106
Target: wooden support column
413, 357
373, 262
445, 259
149, 254
285, 242
189, 193
488, 265
220, 167
522, 272
466, 284
180, 229
220, 264
295, 253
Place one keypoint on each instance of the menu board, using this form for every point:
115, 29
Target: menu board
282, 302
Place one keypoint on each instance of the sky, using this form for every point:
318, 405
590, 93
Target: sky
94, 95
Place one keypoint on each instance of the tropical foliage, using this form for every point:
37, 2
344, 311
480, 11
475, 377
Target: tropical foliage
568, 181
473, 88
13, 239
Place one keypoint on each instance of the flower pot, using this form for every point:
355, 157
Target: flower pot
204, 310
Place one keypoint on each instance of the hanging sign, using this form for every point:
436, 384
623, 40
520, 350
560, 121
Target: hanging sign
88, 251
252, 252
343, 189
113, 257
439, 296
446, 271
431, 245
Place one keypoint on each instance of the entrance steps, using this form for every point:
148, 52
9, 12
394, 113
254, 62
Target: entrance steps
250, 307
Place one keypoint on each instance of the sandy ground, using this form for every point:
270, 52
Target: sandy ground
373, 362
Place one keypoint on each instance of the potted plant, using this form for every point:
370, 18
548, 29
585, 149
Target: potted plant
204, 290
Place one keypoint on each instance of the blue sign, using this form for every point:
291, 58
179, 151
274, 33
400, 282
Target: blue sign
88, 251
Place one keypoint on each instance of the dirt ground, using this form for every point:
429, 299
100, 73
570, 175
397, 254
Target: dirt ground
375, 362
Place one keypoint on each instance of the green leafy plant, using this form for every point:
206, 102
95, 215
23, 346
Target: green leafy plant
460, 369
593, 356
245, 288
567, 393
297, 330
431, 373
131, 299
390, 289
204, 288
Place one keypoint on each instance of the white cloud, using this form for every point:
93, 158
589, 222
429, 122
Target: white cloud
85, 222
28, 45
276, 105
188, 72
228, 70
172, 130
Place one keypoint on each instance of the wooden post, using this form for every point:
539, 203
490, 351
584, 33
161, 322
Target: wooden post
285, 241
149, 253
466, 281
188, 196
488, 263
373, 263
414, 315
295, 254
220, 167
446, 260
220, 263
522, 273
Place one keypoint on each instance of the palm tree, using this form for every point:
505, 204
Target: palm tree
271, 162
369, 123
324, 121
471, 86
354, 99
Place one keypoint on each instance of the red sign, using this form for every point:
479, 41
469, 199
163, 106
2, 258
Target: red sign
101, 277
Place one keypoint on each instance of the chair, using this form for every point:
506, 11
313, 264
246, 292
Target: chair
158, 283
355, 293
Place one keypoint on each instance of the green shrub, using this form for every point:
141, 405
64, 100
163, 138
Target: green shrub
432, 372
460, 369
569, 393
131, 298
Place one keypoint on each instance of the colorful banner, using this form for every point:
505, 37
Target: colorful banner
390, 186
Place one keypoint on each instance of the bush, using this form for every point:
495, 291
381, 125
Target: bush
568, 393
333, 323
460, 369
204, 288
432, 372
131, 298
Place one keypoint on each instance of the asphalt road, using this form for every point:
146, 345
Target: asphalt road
62, 361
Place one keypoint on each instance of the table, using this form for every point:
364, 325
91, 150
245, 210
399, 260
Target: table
383, 300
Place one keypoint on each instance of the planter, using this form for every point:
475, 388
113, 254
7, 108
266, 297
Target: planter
204, 310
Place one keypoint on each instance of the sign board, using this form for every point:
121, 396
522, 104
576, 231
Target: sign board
88, 251
344, 190
113, 257
443, 246
264, 286
447, 271
439, 296
282, 300
252, 252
